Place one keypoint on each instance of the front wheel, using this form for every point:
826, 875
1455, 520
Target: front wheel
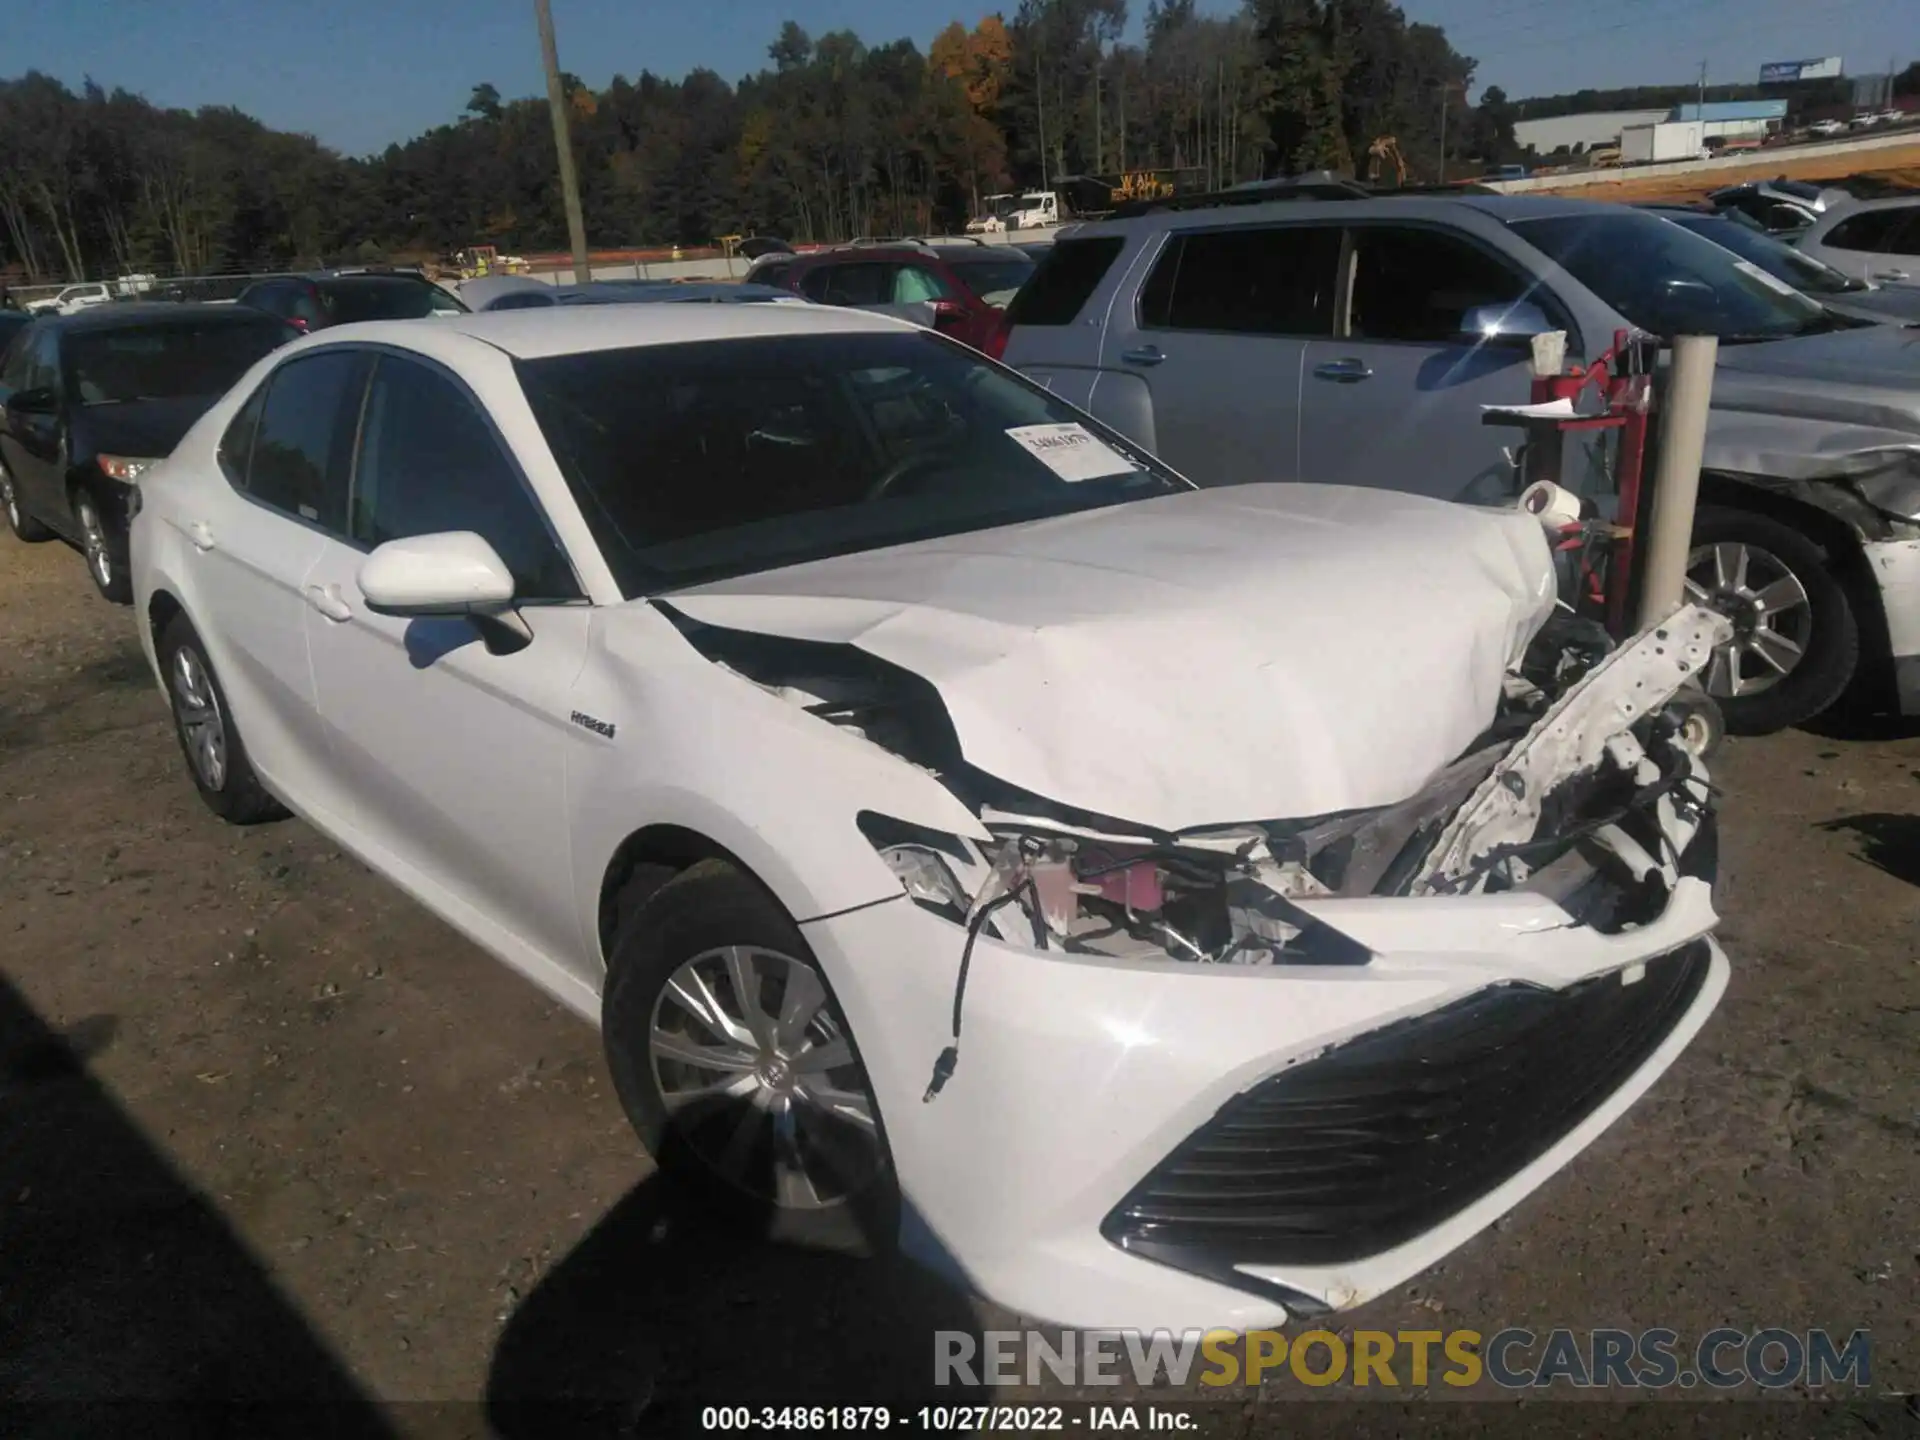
1795, 642
105, 546
737, 1069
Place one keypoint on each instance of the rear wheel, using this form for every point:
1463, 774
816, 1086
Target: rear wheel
216, 757
23, 525
105, 547
737, 1069
1796, 642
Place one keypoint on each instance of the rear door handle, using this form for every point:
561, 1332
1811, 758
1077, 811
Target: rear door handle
329, 602
1349, 371
200, 534
1143, 355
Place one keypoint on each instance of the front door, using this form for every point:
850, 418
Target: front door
34, 447
1215, 345
453, 757
1394, 402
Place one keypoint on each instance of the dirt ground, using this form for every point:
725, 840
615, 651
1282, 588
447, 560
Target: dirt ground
269, 1131
1897, 165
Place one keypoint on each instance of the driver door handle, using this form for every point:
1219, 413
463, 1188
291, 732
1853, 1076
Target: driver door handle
329, 603
1344, 372
1143, 355
201, 534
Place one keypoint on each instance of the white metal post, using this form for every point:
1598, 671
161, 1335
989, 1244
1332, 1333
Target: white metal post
1676, 479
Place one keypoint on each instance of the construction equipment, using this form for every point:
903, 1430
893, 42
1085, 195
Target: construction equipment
478, 260
1386, 149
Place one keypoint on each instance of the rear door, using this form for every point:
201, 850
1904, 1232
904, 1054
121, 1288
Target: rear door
1395, 401
1054, 322
35, 447
284, 458
1205, 367
1878, 245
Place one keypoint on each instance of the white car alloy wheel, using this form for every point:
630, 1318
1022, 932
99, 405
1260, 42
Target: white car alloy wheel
1767, 603
196, 709
757, 1073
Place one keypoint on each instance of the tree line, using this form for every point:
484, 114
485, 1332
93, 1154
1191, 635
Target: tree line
833, 138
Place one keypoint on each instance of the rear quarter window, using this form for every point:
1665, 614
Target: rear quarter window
1065, 281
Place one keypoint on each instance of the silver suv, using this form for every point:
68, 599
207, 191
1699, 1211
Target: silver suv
1302, 336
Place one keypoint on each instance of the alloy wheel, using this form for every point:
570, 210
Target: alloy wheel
7, 498
756, 1072
93, 537
197, 711
1767, 603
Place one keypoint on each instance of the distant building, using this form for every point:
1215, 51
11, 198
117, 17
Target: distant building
1734, 119
1586, 131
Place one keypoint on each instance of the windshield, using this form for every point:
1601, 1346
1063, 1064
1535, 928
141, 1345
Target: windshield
1668, 281
1783, 262
165, 362
995, 281
697, 461
380, 298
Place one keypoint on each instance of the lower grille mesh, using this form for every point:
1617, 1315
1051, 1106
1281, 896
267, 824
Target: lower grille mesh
1383, 1138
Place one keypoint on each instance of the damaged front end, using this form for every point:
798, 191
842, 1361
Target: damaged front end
1588, 788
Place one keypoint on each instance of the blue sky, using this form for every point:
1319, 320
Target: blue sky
361, 73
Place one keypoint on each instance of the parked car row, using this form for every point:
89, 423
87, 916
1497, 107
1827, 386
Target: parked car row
898, 736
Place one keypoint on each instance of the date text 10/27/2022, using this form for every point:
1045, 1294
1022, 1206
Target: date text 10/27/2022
945, 1419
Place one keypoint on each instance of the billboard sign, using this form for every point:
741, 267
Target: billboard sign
1779, 72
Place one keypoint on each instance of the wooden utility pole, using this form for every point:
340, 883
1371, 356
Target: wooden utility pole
563, 143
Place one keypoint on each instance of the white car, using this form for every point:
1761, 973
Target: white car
1157, 907
70, 299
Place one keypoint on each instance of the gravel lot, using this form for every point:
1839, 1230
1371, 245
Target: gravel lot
269, 1130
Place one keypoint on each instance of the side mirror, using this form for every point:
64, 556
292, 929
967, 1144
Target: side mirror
947, 314
40, 400
452, 573
1512, 324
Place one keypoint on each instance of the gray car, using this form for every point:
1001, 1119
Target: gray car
1355, 340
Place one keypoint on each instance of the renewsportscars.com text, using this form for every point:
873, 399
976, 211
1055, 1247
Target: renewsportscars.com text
1513, 1359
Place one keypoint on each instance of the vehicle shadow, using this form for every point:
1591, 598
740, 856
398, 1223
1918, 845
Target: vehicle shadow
664, 1309
127, 1304
1888, 842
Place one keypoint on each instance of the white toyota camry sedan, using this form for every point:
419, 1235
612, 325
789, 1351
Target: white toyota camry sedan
1157, 907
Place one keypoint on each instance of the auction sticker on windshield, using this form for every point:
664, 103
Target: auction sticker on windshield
1071, 451
1772, 282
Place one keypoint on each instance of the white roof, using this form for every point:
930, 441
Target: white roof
571, 329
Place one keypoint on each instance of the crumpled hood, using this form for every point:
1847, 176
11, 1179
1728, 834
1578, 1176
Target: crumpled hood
1820, 406
1248, 653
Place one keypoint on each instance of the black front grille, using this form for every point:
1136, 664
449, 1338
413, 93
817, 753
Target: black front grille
1381, 1139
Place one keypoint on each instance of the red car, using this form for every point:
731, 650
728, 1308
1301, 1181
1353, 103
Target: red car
960, 288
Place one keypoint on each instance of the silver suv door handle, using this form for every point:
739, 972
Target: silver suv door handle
1345, 372
328, 602
1143, 355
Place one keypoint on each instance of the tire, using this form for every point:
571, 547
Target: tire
24, 527
779, 1153
1790, 659
104, 547
230, 788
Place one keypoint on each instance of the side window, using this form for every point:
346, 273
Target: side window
236, 446
1873, 232
1256, 280
868, 283
1065, 281
813, 284
267, 298
912, 285
429, 462
302, 443
303, 307
1411, 284
43, 361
